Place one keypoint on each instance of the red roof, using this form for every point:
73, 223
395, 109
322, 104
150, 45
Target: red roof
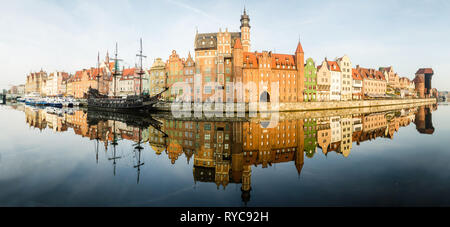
275, 59
299, 48
371, 74
128, 74
356, 75
334, 66
425, 71
237, 44
78, 75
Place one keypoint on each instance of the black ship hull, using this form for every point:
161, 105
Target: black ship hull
118, 104
123, 104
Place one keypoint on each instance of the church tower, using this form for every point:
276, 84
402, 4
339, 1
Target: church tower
245, 31
300, 62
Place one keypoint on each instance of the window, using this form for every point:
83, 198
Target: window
207, 89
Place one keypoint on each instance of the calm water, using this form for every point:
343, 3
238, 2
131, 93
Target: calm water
393, 158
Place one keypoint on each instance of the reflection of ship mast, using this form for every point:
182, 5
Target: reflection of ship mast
96, 148
138, 148
114, 143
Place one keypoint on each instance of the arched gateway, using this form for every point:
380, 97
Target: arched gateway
264, 97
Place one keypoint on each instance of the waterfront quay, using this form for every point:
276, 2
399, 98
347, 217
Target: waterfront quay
285, 107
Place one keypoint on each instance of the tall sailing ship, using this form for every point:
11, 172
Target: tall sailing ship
118, 103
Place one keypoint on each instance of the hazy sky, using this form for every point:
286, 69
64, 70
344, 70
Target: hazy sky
66, 35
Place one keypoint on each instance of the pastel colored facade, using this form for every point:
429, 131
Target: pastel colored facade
69, 86
21, 89
357, 81
310, 89
51, 85
392, 78
407, 87
335, 89
157, 81
82, 81
35, 82
176, 77
189, 75
346, 77
54, 84
138, 88
374, 83
323, 82
126, 84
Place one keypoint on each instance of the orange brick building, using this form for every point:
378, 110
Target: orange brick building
225, 57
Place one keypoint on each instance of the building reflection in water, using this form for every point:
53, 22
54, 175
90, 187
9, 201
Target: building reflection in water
224, 152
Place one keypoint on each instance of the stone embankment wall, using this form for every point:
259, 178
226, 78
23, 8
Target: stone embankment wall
303, 106
294, 115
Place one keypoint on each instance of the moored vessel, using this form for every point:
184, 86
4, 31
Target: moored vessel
96, 100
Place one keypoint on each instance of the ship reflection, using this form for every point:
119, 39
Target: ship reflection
223, 152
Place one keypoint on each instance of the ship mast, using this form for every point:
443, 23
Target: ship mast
98, 71
116, 69
141, 71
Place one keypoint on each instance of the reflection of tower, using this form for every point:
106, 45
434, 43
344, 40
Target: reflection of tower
246, 183
424, 123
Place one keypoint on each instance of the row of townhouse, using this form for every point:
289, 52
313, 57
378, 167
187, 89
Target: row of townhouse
223, 60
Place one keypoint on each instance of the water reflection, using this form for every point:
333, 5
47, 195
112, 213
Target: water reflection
224, 152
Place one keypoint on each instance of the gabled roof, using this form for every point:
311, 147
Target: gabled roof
333, 66
371, 74
208, 41
128, 72
237, 44
356, 75
254, 58
78, 75
387, 69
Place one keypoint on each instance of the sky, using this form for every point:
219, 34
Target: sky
67, 35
